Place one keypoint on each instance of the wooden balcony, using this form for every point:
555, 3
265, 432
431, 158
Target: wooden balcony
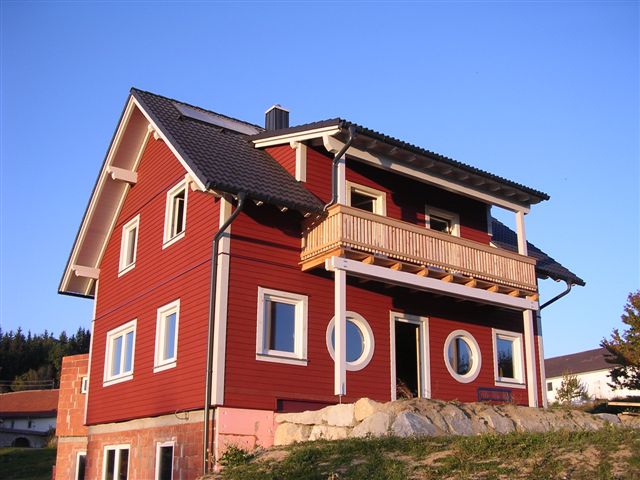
355, 233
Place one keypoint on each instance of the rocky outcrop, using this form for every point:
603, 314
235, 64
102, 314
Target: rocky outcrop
417, 417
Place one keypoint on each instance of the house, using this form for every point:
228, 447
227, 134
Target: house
27, 417
592, 370
237, 271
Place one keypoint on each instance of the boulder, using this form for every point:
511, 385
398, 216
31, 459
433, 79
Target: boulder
365, 407
340, 415
458, 422
310, 417
328, 433
609, 417
288, 433
375, 425
409, 424
497, 422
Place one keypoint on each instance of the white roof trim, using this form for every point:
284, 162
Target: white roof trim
296, 136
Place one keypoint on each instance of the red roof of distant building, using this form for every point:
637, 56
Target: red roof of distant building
31, 402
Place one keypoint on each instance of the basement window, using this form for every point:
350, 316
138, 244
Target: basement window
508, 358
166, 352
442, 221
164, 461
129, 245
119, 354
282, 327
360, 342
462, 356
175, 214
366, 198
84, 384
81, 465
116, 462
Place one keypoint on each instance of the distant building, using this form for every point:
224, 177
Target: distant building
27, 417
592, 370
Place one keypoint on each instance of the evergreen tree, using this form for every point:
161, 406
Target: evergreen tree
624, 348
570, 390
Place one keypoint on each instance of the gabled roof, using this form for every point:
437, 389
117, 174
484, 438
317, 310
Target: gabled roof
581, 362
224, 159
35, 403
546, 267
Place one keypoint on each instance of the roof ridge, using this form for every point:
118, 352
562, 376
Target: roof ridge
198, 107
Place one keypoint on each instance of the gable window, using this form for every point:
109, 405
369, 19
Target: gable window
282, 327
129, 245
508, 358
119, 353
366, 198
166, 352
164, 461
442, 221
360, 342
175, 214
116, 462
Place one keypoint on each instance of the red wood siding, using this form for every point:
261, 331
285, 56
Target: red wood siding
180, 271
286, 156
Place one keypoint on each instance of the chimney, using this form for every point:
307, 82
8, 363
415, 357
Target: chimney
276, 118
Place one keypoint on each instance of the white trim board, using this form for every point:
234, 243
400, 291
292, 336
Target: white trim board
411, 280
296, 136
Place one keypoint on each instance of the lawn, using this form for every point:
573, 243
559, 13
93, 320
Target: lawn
26, 463
610, 453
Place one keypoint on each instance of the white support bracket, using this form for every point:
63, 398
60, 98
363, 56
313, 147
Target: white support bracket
301, 160
86, 272
123, 175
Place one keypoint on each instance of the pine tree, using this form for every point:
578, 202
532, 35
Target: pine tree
624, 348
571, 389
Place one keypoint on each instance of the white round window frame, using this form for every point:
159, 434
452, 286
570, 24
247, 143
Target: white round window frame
475, 349
367, 338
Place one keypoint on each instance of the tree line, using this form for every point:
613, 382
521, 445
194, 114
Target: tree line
34, 361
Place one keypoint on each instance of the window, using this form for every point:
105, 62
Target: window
81, 465
282, 327
508, 358
442, 221
360, 342
116, 462
549, 386
119, 353
366, 198
462, 356
128, 247
30, 424
167, 336
164, 461
175, 216
84, 384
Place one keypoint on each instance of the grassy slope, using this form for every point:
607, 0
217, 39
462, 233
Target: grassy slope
26, 463
609, 453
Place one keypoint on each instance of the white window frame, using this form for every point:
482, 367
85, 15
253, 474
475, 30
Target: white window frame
453, 218
160, 363
133, 224
472, 374
84, 384
519, 381
299, 355
168, 238
116, 463
122, 330
367, 337
159, 445
76, 474
379, 197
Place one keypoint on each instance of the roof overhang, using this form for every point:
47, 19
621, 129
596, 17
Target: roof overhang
117, 175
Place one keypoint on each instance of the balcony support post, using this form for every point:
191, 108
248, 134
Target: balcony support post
530, 355
340, 349
522, 239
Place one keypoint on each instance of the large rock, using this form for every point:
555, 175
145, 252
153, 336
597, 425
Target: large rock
498, 423
328, 433
586, 421
528, 419
409, 424
375, 425
288, 433
340, 415
631, 421
310, 417
457, 421
609, 417
431, 410
365, 407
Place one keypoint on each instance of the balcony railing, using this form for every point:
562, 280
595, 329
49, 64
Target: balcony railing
348, 229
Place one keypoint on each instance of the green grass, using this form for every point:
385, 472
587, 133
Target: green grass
27, 463
610, 453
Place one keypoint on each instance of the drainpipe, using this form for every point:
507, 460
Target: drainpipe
334, 170
557, 297
212, 301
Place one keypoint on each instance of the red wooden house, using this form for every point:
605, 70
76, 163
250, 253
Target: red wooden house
238, 271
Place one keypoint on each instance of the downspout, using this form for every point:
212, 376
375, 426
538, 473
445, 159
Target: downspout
334, 170
212, 301
557, 297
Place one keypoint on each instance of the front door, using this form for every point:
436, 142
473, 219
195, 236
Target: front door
410, 378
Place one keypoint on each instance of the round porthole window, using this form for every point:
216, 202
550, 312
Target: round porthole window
360, 341
462, 356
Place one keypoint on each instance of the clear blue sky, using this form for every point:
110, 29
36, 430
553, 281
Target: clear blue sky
543, 93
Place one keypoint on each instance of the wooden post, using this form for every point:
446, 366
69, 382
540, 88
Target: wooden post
522, 239
529, 342
340, 329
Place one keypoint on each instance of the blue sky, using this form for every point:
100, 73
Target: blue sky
543, 93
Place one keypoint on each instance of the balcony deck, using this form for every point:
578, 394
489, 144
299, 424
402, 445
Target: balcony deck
372, 238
